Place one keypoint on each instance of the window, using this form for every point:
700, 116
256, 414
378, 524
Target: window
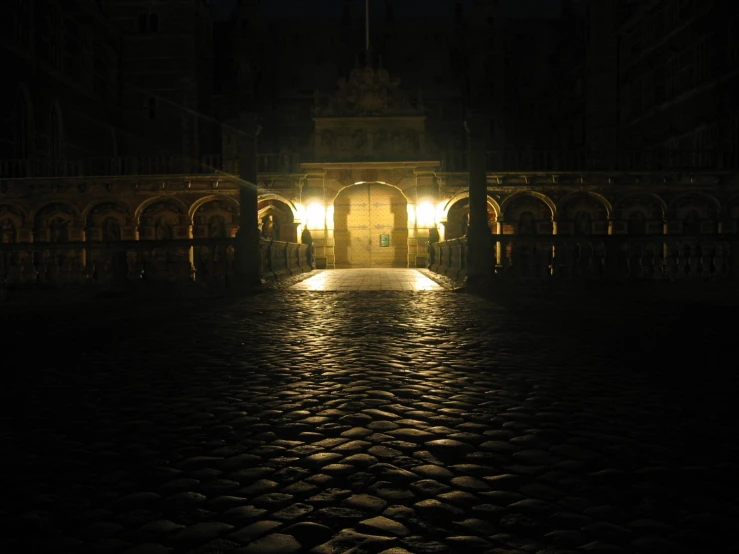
671, 77
55, 28
148, 23
733, 42
648, 91
734, 137
686, 76
637, 95
55, 134
22, 20
702, 59
626, 102
672, 17
100, 81
22, 142
152, 107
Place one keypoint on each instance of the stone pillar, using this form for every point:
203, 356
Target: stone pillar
247, 258
480, 252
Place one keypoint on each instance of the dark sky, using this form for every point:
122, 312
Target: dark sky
403, 8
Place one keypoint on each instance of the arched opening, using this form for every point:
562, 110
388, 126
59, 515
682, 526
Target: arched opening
106, 221
694, 214
637, 223
458, 220
276, 221
53, 223
56, 135
23, 127
582, 215
639, 214
11, 220
165, 220
370, 227
217, 218
528, 215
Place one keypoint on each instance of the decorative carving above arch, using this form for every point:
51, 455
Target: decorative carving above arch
367, 92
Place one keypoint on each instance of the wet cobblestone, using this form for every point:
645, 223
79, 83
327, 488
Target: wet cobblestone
389, 422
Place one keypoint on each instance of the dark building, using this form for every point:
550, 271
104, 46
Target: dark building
126, 119
64, 91
663, 81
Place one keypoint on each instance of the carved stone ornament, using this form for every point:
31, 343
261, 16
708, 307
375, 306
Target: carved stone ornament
367, 92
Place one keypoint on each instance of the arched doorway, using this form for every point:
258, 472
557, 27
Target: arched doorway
371, 227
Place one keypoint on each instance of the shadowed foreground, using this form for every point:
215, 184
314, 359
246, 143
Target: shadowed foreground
420, 422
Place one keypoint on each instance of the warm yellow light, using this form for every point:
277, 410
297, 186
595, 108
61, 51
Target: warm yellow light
426, 214
315, 216
440, 213
330, 217
411, 215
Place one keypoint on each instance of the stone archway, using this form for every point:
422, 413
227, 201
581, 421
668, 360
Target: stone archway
694, 214
639, 214
109, 221
12, 220
528, 214
370, 226
457, 219
56, 222
217, 217
276, 220
583, 214
163, 220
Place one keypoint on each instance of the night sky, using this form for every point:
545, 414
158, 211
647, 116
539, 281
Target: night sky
403, 8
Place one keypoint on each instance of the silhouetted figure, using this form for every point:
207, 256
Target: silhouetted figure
433, 239
307, 239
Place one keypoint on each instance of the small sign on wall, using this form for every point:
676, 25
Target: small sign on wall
384, 240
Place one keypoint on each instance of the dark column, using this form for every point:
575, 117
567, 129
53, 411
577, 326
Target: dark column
480, 250
247, 256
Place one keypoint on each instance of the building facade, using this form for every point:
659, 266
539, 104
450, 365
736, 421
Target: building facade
365, 148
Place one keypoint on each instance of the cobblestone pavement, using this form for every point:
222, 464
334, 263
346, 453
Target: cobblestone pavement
424, 422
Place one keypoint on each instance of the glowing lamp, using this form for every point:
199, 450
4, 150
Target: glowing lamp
426, 214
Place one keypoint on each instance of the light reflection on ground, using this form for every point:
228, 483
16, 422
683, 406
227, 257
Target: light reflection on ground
367, 279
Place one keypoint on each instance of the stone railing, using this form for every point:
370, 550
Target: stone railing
208, 261
607, 258
449, 258
284, 259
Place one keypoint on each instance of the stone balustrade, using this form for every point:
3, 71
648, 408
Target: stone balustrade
114, 263
606, 258
283, 259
